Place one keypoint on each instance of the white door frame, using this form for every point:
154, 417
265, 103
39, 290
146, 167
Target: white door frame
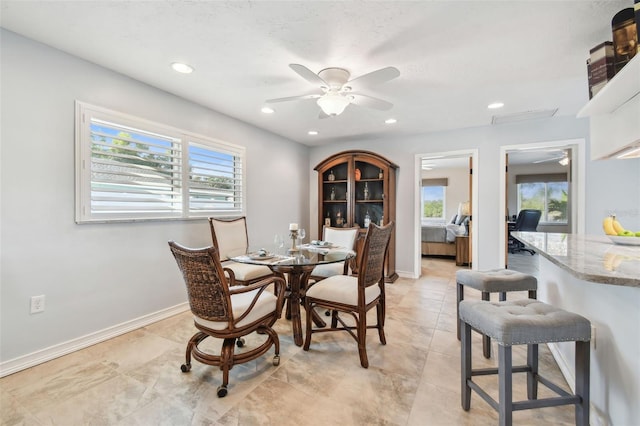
473, 153
578, 165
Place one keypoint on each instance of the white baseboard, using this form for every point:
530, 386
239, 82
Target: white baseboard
405, 274
47, 354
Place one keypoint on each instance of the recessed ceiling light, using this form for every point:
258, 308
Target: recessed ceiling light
495, 105
391, 121
182, 68
313, 132
267, 110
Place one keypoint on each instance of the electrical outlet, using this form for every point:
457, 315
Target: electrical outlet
37, 304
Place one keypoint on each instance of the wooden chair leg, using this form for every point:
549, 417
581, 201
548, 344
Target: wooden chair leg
362, 339
380, 312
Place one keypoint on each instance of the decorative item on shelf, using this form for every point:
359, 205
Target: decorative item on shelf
331, 176
367, 219
293, 234
327, 220
339, 219
625, 37
600, 67
358, 174
366, 191
333, 193
380, 174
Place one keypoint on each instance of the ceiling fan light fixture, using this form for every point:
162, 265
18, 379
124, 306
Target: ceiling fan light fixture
390, 121
333, 104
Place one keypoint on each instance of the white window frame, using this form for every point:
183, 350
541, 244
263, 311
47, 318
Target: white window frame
442, 219
182, 139
545, 212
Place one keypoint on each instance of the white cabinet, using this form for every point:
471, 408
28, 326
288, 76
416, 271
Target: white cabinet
614, 113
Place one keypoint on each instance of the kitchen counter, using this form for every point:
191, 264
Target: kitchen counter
593, 258
600, 280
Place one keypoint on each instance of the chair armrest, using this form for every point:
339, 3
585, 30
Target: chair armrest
232, 276
261, 285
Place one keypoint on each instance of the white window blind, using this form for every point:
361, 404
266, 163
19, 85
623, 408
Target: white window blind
131, 169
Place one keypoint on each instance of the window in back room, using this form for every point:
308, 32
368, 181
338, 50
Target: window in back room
433, 199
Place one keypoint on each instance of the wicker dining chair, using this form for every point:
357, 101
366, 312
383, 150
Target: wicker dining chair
231, 239
354, 295
227, 312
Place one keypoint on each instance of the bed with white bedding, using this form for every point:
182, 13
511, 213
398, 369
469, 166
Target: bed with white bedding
440, 239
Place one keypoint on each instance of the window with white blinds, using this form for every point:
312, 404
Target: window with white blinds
132, 169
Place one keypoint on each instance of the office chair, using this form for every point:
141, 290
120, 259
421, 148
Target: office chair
527, 221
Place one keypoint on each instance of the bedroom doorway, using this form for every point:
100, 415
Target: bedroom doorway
446, 187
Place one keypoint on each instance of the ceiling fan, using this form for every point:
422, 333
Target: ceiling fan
337, 91
561, 157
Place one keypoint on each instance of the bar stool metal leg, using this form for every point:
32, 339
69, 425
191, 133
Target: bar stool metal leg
486, 340
532, 375
460, 297
582, 363
505, 384
466, 366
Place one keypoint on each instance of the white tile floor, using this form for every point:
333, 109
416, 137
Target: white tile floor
135, 379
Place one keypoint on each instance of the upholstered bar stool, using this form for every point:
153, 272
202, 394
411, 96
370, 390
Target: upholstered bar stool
525, 322
493, 281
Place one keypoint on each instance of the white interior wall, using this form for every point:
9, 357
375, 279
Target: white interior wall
605, 180
98, 276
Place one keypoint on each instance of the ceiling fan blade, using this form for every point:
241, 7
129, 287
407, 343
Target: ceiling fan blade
375, 77
549, 159
308, 75
293, 98
370, 102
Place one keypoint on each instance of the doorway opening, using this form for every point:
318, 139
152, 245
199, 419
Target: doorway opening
445, 190
546, 176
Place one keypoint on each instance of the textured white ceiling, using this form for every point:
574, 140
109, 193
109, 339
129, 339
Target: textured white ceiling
455, 57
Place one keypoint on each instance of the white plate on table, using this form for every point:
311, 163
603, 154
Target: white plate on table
625, 241
265, 257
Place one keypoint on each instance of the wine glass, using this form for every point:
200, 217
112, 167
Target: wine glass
301, 234
278, 242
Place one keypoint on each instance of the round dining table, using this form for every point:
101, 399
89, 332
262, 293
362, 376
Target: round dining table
297, 266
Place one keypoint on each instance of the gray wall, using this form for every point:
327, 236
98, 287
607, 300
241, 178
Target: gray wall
610, 185
101, 275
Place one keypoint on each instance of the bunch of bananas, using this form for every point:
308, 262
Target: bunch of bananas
611, 225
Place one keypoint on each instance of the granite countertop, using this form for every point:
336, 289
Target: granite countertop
588, 257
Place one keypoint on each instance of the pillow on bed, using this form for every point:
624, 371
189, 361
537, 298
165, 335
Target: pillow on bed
460, 219
453, 218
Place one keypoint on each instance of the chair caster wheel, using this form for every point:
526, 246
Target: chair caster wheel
222, 391
240, 342
276, 360
185, 367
